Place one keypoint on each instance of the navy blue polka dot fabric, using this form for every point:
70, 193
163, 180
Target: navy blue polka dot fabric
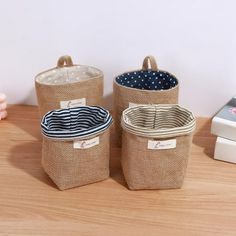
147, 80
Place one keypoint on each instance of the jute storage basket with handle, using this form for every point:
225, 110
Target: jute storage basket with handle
156, 143
76, 147
146, 86
68, 85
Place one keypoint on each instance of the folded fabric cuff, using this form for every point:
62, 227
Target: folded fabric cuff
75, 123
158, 121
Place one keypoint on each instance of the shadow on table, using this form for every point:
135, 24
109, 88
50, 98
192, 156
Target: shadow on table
203, 137
115, 166
27, 157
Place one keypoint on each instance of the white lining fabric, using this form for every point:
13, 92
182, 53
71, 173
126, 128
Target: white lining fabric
64, 75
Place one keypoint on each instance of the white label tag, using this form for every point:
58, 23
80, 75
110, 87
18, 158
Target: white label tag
165, 144
73, 103
84, 144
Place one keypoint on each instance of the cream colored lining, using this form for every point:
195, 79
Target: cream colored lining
158, 121
64, 75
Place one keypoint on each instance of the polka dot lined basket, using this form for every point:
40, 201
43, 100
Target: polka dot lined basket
146, 86
68, 85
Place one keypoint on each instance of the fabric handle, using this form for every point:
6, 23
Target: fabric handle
150, 60
64, 61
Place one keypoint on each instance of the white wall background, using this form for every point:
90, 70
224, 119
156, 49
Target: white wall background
195, 40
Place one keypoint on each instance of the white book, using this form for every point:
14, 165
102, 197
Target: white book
224, 122
225, 150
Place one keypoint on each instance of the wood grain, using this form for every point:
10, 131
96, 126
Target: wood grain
30, 204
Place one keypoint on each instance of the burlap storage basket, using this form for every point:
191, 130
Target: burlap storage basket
68, 85
76, 146
156, 144
145, 86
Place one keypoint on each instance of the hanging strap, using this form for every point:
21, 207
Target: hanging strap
150, 60
64, 61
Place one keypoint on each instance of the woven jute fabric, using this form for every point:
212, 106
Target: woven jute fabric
49, 96
69, 167
123, 96
154, 169
146, 168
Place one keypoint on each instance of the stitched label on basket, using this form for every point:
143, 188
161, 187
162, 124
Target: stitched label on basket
73, 103
165, 144
84, 144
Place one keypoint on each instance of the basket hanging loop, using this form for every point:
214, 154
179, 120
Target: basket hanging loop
64, 61
150, 60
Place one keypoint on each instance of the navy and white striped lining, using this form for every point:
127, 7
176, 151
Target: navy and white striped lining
73, 123
147, 80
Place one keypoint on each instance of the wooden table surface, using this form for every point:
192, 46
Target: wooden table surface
30, 204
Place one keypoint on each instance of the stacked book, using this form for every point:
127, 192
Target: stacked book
224, 126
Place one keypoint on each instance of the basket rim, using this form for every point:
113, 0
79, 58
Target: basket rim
75, 65
146, 90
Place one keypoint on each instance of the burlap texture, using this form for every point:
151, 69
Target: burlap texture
124, 95
49, 96
69, 167
145, 168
